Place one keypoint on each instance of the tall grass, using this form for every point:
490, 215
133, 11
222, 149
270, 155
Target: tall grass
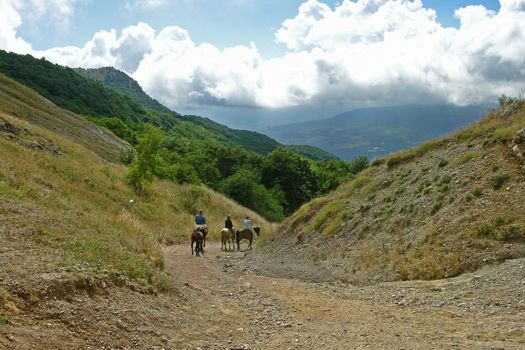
86, 210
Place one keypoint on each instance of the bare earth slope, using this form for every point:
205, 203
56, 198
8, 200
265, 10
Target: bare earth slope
447, 207
223, 305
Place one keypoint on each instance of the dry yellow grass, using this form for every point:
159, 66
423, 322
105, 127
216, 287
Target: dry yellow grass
86, 210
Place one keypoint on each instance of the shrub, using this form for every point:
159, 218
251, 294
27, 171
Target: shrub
436, 207
513, 233
126, 155
486, 231
499, 221
194, 198
162, 282
442, 163
443, 188
3, 320
364, 208
477, 192
498, 180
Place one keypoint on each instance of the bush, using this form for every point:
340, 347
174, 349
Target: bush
486, 231
194, 198
436, 207
513, 233
498, 181
126, 155
443, 188
477, 192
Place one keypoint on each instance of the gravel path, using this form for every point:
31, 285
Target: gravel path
485, 310
220, 303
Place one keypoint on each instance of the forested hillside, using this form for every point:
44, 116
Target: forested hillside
120, 82
249, 167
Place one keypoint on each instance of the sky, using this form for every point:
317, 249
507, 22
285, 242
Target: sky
243, 59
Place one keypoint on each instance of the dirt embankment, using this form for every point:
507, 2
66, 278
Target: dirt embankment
222, 304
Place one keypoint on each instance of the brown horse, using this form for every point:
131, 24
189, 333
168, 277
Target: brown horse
204, 230
227, 237
197, 237
246, 234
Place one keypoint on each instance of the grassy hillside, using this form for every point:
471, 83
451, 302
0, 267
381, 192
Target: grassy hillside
26, 104
451, 205
65, 213
194, 149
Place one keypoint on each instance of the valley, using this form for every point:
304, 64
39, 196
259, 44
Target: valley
423, 248
378, 131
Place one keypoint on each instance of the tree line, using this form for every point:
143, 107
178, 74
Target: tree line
274, 185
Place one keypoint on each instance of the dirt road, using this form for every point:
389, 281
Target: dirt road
221, 303
242, 310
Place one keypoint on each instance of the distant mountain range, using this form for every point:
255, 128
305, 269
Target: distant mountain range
122, 83
375, 132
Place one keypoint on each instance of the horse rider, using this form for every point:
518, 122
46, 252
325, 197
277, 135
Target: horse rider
200, 221
248, 224
229, 224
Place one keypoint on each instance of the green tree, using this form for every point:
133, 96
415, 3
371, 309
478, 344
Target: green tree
144, 166
291, 173
245, 188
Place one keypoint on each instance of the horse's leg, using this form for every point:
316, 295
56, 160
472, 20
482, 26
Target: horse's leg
192, 246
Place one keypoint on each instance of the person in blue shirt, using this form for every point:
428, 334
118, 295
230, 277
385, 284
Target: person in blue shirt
200, 225
248, 224
200, 219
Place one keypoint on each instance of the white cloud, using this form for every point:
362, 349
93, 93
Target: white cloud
55, 12
362, 51
10, 21
145, 4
